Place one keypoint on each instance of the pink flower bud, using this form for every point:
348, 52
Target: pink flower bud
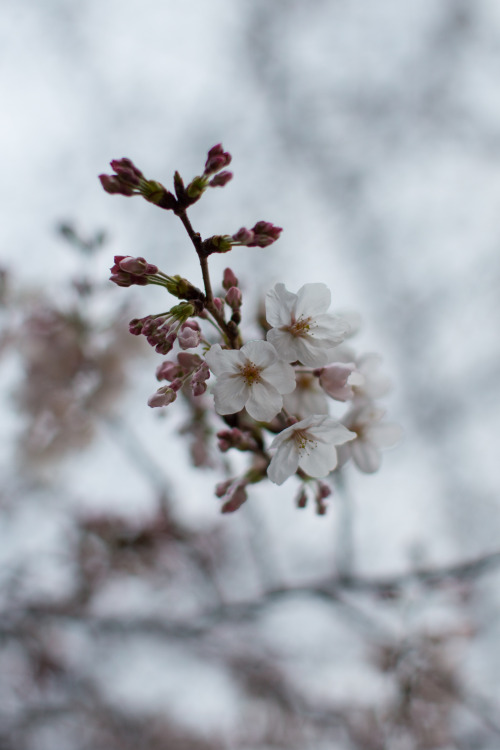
138, 266
135, 326
222, 487
323, 490
233, 298
236, 500
188, 361
198, 388
176, 384
119, 165
221, 179
301, 500
163, 397
219, 304
168, 371
334, 380
229, 439
229, 279
112, 185
243, 236
217, 159
265, 234
188, 337
192, 324
127, 279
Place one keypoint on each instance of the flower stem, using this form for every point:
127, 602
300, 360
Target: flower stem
231, 332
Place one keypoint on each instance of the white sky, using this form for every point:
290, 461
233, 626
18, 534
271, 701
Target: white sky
369, 131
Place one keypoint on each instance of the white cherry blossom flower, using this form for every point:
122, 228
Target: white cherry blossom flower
371, 434
375, 384
307, 398
308, 445
252, 377
301, 328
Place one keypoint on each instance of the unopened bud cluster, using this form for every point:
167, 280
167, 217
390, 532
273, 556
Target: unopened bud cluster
299, 401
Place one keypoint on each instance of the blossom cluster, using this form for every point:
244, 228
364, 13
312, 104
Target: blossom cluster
278, 395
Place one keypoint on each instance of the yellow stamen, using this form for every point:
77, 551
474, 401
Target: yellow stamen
250, 372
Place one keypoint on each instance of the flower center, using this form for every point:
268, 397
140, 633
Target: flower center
250, 372
306, 382
300, 327
305, 443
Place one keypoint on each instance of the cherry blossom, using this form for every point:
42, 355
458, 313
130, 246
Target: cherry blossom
307, 398
301, 329
308, 445
371, 434
339, 380
251, 377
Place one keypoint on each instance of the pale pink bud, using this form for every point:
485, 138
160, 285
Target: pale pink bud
233, 298
138, 266
198, 388
243, 236
163, 397
217, 159
301, 500
236, 500
323, 490
222, 487
168, 371
176, 384
229, 279
229, 439
189, 338
191, 324
219, 304
189, 361
221, 179
334, 379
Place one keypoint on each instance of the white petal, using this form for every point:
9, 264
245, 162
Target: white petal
309, 352
261, 353
264, 402
223, 360
331, 431
331, 329
230, 393
281, 376
319, 461
365, 456
282, 437
285, 461
305, 401
312, 299
284, 343
384, 435
279, 306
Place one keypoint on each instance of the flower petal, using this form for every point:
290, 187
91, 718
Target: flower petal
319, 461
223, 360
308, 351
231, 393
384, 435
365, 456
281, 376
261, 353
285, 461
312, 299
284, 343
279, 306
264, 402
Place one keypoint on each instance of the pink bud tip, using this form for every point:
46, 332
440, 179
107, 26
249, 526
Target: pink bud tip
229, 279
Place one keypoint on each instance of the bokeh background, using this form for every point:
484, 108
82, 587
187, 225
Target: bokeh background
133, 614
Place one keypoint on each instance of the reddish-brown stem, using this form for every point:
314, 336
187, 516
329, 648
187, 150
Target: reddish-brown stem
231, 333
